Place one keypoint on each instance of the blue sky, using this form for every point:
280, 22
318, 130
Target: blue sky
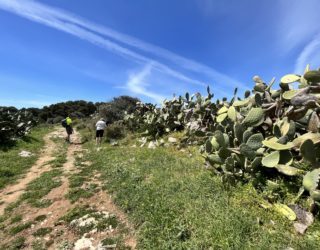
57, 50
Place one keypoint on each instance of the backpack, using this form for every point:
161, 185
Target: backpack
64, 123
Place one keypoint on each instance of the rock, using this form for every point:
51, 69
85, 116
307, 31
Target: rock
172, 140
152, 145
303, 216
83, 222
24, 153
83, 243
161, 142
106, 247
111, 246
114, 143
305, 219
300, 228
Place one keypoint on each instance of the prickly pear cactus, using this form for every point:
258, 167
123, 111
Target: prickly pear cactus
272, 133
14, 123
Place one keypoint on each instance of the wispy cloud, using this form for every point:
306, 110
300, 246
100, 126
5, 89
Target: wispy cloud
97, 35
298, 22
298, 31
309, 54
24, 103
137, 84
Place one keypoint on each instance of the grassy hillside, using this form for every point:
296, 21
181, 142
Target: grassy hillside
177, 204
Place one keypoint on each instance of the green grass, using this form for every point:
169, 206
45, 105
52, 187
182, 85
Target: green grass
16, 218
17, 243
38, 245
42, 231
76, 213
77, 180
17, 229
40, 187
40, 218
176, 204
12, 166
59, 154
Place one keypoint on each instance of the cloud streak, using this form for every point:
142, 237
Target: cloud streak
298, 22
137, 82
96, 34
300, 36
23, 103
309, 54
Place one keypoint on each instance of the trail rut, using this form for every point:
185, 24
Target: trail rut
12, 192
61, 205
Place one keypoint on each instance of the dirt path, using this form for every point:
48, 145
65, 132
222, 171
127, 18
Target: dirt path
12, 192
62, 232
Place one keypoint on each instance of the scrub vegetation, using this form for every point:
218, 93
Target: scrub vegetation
195, 173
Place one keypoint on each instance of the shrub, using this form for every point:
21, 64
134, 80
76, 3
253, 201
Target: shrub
116, 109
14, 123
115, 131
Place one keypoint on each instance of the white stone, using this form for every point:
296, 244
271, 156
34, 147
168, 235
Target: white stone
300, 228
152, 145
83, 243
172, 140
24, 153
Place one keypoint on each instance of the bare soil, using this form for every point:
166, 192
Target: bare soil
12, 192
61, 232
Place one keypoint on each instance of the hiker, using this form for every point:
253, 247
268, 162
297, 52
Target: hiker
100, 126
67, 123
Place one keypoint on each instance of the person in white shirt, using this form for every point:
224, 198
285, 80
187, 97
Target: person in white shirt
100, 126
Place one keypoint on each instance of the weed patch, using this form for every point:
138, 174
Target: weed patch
40, 187
42, 231
177, 204
40, 218
12, 166
17, 229
17, 243
15, 219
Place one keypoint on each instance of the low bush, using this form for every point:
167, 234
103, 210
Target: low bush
115, 131
14, 123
